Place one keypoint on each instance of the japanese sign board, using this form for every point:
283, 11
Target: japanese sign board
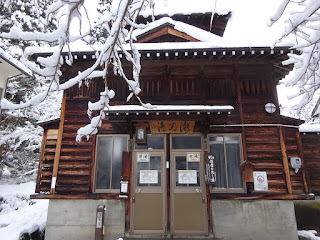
187, 176
210, 171
193, 157
143, 157
148, 176
172, 126
260, 181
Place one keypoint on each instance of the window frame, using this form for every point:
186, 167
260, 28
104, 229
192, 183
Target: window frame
109, 190
227, 189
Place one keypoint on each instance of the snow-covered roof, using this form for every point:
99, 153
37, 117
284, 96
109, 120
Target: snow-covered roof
185, 7
15, 63
304, 128
169, 109
188, 29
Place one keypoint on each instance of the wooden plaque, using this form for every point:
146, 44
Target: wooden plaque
172, 126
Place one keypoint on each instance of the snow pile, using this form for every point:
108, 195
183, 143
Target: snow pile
19, 214
308, 234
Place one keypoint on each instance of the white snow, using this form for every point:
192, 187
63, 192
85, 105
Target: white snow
15, 62
190, 30
18, 213
171, 108
309, 128
308, 234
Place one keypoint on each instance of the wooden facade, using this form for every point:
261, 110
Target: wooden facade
235, 84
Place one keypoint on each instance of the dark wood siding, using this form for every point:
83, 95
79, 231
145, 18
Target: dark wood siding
311, 154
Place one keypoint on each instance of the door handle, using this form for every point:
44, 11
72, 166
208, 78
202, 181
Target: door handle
198, 190
138, 190
133, 200
203, 200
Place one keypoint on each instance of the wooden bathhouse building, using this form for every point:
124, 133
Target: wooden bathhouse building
214, 159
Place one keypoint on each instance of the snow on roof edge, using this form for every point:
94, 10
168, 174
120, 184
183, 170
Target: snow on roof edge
309, 128
15, 63
188, 29
171, 108
150, 47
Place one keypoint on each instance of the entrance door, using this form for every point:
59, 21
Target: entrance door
188, 194
148, 195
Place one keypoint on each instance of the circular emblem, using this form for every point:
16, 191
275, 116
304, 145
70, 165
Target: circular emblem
260, 179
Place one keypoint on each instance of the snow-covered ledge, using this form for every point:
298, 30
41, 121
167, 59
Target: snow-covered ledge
170, 108
308, 128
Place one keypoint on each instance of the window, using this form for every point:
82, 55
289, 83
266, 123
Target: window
108, 169
227, 152
154, 142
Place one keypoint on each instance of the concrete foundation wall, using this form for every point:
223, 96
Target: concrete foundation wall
251, 220
75, 219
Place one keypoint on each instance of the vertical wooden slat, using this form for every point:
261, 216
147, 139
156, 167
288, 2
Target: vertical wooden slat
58, 147
93, 163
44, 138
239, 97
285, 161
302, 163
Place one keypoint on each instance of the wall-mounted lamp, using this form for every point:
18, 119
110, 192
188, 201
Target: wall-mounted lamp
141, 134
270, 108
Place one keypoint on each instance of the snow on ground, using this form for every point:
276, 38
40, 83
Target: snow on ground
308, 234
19, 214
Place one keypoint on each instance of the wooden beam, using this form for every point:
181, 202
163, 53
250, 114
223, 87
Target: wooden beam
153, 35
164, 31
93, 163
243, 196
43, 145
239, 97
266, 196
302, 162
181, 35
58, 147
285, 161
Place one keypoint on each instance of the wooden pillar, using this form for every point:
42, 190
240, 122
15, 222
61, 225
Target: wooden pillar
239, 97
285, 161
93, 162
43, 145
58, 147
302, 164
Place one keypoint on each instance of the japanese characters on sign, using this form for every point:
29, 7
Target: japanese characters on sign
193, 157
210, 172
148, 176
172, 126
187, 176
143, 157
260, 181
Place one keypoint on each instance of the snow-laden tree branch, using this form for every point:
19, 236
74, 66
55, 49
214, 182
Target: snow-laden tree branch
304, 23
116, 23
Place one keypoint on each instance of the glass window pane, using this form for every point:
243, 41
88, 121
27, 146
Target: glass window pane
186, 142
155, 163
103, 162
218, 152
234, 169
193, 165
181, 163
119, 146
153, 142
143, 166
